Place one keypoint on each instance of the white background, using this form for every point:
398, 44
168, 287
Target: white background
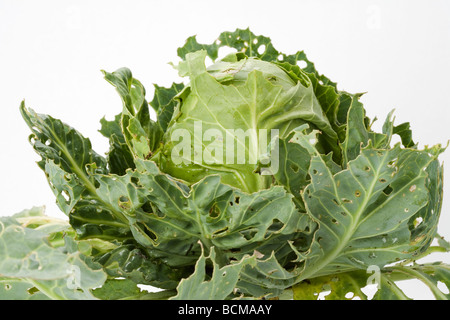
51, 54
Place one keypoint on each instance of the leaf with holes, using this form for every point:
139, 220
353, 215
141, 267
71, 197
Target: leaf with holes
168, 218
354, 208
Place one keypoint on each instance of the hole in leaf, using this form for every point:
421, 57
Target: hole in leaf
382, 180
294, 167
66, 196
349, 295
335, 202
135, 180
147, 231
249, 233
124, 203
214, 212
325, 290
302, 64
308, 193
237, 199
315, 171
261, 49
147, 207
357, 193
388, 190
276, 226
367, 168
417, 221
221, 232
392, 162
